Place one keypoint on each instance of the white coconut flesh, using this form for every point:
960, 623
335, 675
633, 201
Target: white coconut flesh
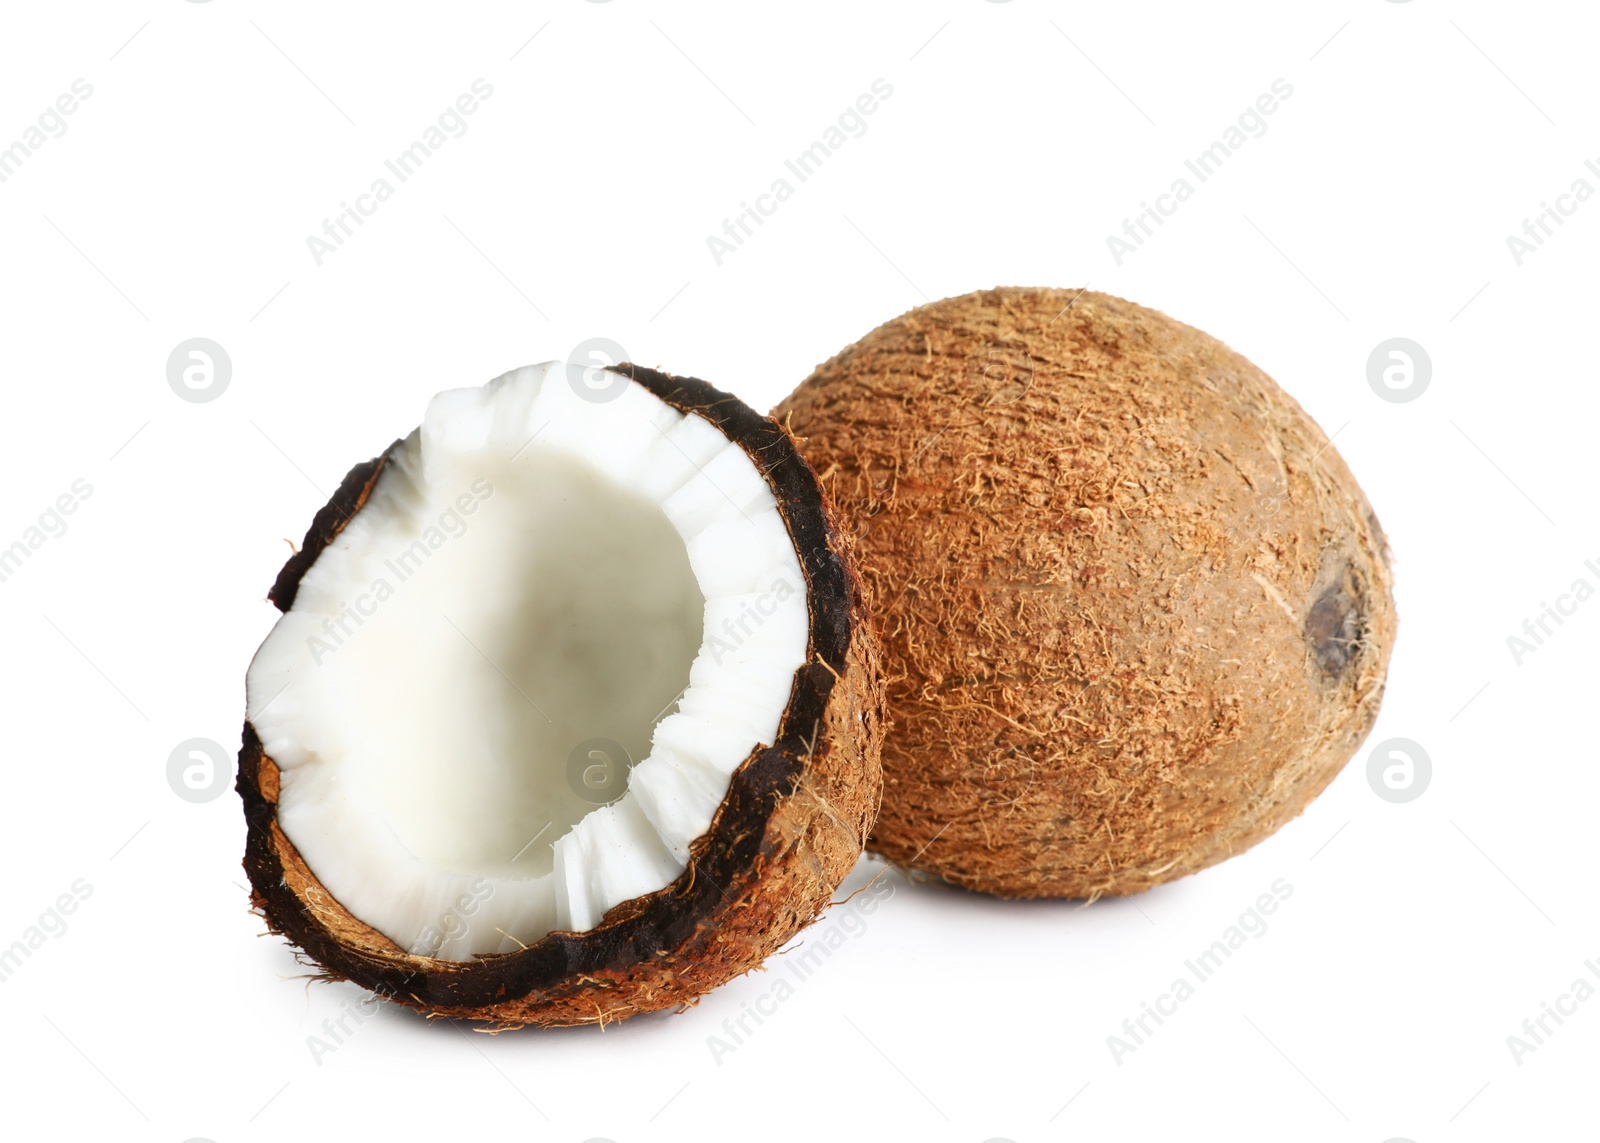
513, 690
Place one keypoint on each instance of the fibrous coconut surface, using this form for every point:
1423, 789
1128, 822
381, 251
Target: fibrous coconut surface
1136, 611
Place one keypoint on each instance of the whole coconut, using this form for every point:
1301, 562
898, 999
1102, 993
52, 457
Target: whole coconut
1136, 612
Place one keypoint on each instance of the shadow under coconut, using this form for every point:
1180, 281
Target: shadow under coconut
971, 907
402, 1024
1104, 933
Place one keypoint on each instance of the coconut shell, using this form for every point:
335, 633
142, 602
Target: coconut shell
791, 827
1136, 612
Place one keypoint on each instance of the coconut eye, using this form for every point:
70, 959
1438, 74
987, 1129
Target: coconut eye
571, 711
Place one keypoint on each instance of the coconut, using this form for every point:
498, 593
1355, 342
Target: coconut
1136, 612
572, 712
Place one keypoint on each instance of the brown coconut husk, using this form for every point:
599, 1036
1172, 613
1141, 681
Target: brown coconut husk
791, 827
1136, 612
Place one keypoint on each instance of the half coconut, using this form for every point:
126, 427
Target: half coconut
572, 712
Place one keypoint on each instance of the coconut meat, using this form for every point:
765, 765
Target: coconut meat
513, 689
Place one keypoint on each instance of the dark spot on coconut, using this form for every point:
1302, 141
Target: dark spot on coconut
1333, 625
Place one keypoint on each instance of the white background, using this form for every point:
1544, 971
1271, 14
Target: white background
577, 204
